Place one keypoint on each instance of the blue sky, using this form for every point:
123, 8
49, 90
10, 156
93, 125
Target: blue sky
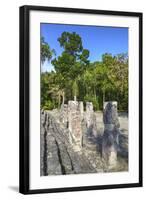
97, 39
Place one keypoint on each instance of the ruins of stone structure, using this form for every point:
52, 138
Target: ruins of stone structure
58, 155
110, 141
63, 113
81, 109
89, 114
72, 114
90, 119
74, 123
74, 140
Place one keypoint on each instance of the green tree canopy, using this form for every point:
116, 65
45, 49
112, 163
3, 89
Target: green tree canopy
46, 52
76, 77
73, 60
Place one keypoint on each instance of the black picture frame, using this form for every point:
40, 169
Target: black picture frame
24, 123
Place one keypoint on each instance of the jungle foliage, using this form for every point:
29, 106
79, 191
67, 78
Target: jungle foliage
75, 77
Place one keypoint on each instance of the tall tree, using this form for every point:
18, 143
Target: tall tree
73, 60
46, 52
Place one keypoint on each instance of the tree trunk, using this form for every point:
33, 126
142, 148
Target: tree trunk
75, 91
95, 92
63, 98
75, 98
103, 98
59, 101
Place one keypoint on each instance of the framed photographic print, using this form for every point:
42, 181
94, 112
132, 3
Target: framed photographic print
80, 99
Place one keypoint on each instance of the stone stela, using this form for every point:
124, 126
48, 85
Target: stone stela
72, 114
89, 114
111, 133
75, 111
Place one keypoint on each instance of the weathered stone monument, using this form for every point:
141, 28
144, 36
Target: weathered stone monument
89, 114
74, 123
64, 114
81, 109
90, 118
72, 139
111, 132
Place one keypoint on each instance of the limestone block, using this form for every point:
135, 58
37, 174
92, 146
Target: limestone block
64, 114
81, 109
111, 133
89, 114
74, 122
